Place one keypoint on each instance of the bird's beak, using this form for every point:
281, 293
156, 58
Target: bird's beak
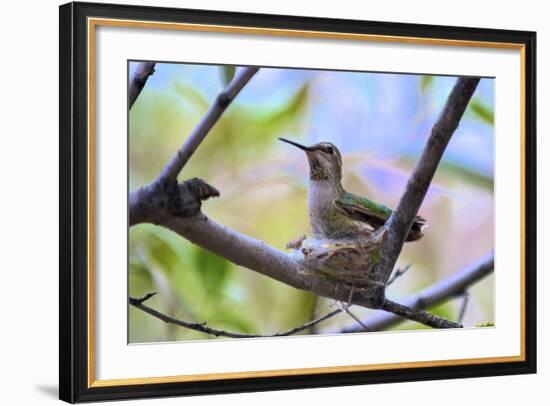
302, 147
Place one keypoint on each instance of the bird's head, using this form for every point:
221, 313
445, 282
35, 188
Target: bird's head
325, 161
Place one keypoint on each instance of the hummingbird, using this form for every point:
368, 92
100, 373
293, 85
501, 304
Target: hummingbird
335, 213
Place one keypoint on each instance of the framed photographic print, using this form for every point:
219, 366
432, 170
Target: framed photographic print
254, 202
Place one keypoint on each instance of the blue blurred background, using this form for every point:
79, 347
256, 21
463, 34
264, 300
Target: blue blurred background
379, 121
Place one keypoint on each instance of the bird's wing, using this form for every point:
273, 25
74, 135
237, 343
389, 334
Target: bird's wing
362, 209
365, 210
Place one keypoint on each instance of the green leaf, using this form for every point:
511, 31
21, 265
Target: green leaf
454, 170
192, 96
445, 310
486, 324
213, 271
290, 110
228, 72
153, 246
178, 246
467, 174
141, 280
425, 82
232, 322
482, 111
301, 303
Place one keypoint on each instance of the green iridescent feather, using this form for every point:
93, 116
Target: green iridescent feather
363, 209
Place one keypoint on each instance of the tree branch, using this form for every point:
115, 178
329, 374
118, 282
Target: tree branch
224, 99
267, 260
402, 218
142, 73
437, 293
203, 327
418, 315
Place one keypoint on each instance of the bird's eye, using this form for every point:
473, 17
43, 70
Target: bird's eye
330, 150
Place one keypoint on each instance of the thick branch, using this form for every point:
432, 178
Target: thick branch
203, 327
246, 251
142, 73
262, 258
152, 202
438, 293
403, 216
178, 210
224, 99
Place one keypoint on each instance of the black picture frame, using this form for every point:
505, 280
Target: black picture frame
73, 284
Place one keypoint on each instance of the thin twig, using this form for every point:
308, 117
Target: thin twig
463, 306
224, 99
140, 300
313, 313
398, 273
308, 324
203, 327
347, 305
141, 74
357, 319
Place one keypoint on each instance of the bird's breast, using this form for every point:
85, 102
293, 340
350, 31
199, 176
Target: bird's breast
326, 220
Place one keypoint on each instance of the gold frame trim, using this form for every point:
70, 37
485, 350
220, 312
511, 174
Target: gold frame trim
91, 203
94, 22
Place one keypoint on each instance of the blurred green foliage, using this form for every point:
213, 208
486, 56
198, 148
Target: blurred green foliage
487, 324
482, 111
425, 82
228, 71
263, 194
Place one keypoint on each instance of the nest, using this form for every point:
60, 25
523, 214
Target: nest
352, 262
